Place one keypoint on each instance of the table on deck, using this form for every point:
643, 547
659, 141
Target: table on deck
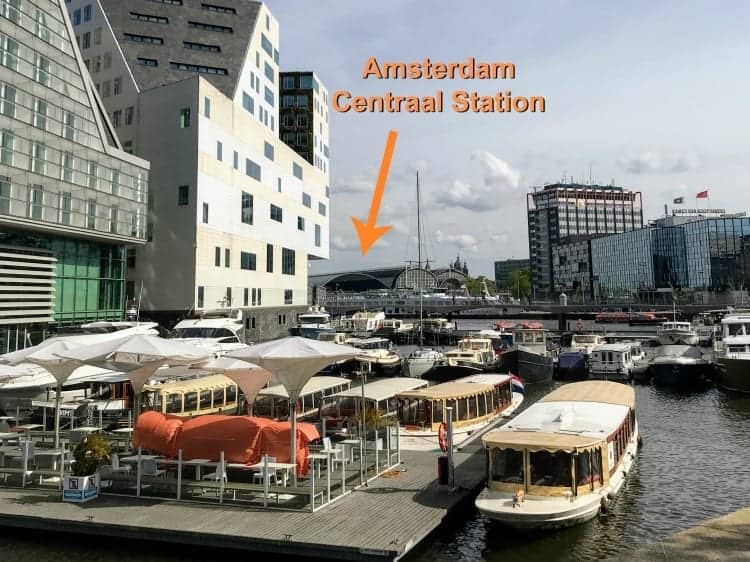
6, 436
55, 453
134, 458
350, 444
285, 466
197, 463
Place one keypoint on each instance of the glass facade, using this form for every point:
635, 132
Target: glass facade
705, 253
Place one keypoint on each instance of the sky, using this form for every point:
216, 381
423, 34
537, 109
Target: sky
652, 96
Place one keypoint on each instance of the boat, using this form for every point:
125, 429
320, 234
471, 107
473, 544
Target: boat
375, 356
472, 356
646, 318
682, 366
212, 394
217, 331
676, 333
502, 341
733, 356
312, 323
363, 323
613, 318
560, 461
437, 331
477, 401
317, 394
529, 357
572, 365
585, 343
395, 329
611, 361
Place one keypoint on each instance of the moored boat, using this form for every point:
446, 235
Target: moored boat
572, 365
676, 333
312, 323
733, 356
472, 356
681, 366
421, 360
476, 401
528, 357
561, 460
611, 361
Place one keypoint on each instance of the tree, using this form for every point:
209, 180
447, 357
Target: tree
474, 285
519, 283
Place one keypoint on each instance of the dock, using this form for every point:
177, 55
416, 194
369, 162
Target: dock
383, 521
724, 538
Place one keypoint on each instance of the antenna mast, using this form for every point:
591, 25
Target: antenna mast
419, 265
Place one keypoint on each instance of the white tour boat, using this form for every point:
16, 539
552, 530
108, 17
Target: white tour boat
218, 332
560, 461
312, 323
733, 356
477, 401
363, 323
677, 333
585, 343
611, 361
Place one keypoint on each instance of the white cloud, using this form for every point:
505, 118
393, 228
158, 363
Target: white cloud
465, 242
345, 244
653, 162
496, 172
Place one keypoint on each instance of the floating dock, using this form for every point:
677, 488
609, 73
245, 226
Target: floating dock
724, 538
383, 521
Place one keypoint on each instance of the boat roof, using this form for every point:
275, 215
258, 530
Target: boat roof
603, 392
193, 385
612, 347
486, 378
735, 319
447, 390
538, 440
383, 388
231, 323
315, 384
674, 323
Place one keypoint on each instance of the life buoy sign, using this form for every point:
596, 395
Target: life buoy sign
443, 437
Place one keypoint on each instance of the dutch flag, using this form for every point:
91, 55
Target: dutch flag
516, 383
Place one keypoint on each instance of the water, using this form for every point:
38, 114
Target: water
694, 465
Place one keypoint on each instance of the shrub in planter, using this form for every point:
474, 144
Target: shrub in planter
82, 484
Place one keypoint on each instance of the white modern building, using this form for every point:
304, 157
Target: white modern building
71, 200
235, 214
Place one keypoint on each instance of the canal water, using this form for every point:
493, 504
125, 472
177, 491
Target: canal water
694, 465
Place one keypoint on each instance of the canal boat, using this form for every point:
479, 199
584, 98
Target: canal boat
611, 361
375, 356
212, 394
676, 333
585, 343
472, 356
317, 394
733, 356
682, 366
477, 401
528, 357
395, 329
312, 323
363, 323
572, 365
437, 331
421, 360
560, 461
219, 331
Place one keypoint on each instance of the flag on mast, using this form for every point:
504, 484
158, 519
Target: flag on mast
702, 195
678, 200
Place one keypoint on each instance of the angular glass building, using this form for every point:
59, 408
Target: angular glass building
71, 200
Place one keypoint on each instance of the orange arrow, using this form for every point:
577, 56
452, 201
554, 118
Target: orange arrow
369, 233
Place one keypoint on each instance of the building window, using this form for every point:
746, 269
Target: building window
91, 214
306, 82
68, 174
199, 68
8, 101
247, 261
184, 118
248, 103
227, 257
86, 41
266, 44
287, 101
228, 297
210, 27
147, 62
301, 139
183, 195
40, 114
4, 195
34, 206
268, 95
217, 256
268, 150
252, 169
150, 39
113, 219
205, 213
301, 223
302, 120
269, 258
149, 18
129, 115
322, 209
115, 182
306, 200
328, 191
247, 208
268, 70
278, 185
276, 213
201, 47
98, 36
236, 160
219, 151
64, 202
288, 82
41, 69
220, 9
116, 118
207, 107
9, 52
302, 101
38, 161
201, 296
87, 12
287, 261
287, 296
246, 297
317, 235
76, 17
107, 60
297, 170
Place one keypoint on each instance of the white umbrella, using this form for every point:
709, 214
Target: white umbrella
293, 361
47, 355
140, 356
248, 376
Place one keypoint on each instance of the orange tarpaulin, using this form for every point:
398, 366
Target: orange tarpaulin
244, 439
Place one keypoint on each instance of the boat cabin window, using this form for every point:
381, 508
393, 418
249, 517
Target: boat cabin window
736, 348
191, 401
463, 410
482, 398
412, 412
507, 466
196, 332
437, 411
549, 469
218, 397
472, 406
205, 399
231, 394
584, 471
174, 403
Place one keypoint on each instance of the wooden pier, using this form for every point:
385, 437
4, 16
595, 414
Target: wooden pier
383, 521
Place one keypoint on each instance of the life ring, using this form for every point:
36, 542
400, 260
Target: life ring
443, 437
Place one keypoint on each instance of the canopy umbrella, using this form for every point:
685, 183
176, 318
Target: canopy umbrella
293, 361
140, 356
248, 376
47, 355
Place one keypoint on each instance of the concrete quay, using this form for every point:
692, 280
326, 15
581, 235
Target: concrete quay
726, 538
380, 522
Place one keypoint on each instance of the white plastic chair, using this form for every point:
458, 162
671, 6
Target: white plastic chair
273, 476
336, 454
150, 468
116, 466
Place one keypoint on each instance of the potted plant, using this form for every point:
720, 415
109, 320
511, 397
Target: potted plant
82, 483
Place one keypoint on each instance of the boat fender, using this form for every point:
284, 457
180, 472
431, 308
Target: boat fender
610, 495
604, 505
640, 440
624, 473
